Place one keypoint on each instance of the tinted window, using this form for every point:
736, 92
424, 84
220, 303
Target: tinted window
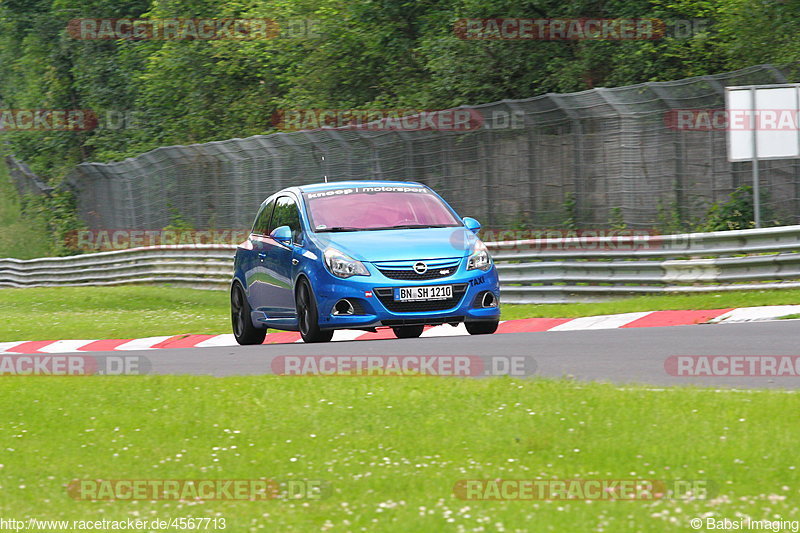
261, 225
360, 208
286, 214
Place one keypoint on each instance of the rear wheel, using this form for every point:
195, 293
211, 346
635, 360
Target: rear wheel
307, 317
482, 328
407, 332
243, 329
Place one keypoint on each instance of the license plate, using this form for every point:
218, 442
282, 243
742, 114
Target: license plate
410, 294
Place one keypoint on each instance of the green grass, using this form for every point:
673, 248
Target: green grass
53, 313
21, 236
110, 312
391, 449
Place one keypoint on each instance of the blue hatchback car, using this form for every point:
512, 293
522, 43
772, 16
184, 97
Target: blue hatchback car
361, 255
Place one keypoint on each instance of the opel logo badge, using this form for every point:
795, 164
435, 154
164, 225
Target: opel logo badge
420, 268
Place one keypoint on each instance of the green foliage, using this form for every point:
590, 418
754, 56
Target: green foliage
570, 206
22, 235
753, 32
59, 214
668, 219
177, 222
616, 220
517, 223
37, 225
361, 54
738, 212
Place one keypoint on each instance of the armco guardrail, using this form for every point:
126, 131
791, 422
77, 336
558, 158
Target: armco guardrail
206, 266
586, 269
531, 271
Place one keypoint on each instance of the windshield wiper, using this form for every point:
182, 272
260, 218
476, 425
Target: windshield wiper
418, 226
338, 229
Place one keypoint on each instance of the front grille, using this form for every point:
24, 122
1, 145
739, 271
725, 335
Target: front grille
386, 296
410, 275
404, 270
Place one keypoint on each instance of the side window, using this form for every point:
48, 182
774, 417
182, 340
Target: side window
261, 225
287, 214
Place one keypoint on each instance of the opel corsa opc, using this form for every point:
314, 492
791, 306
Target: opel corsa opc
361, 255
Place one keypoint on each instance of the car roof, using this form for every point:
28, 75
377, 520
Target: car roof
354, 183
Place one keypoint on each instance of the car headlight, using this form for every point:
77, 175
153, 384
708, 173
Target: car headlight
480, 258
342, 265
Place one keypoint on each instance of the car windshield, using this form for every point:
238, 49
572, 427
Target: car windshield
377, 208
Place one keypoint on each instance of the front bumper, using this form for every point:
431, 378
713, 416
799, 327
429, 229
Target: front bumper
374, 305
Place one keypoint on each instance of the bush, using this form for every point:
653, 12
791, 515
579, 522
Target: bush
738, 212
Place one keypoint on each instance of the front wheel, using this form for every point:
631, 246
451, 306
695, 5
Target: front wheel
407, 332
243, 329
307, 316
484, 327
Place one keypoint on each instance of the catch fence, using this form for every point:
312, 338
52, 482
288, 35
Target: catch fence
623, 154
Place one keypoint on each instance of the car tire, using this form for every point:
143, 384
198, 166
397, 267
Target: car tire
243, 329
484, 327
307, 316
407, 332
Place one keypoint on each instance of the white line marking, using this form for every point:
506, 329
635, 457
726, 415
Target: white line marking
445, 330
347, 334
65, 346
142, 344
8, 345
220, 340
600, 322
750, 314
743, 314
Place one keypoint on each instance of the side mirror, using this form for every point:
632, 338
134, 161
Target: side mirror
282, 234
473, 225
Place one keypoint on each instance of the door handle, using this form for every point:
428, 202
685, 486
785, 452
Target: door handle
295, 261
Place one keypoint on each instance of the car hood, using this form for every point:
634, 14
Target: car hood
399, 245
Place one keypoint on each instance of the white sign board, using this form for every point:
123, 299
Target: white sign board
763, 122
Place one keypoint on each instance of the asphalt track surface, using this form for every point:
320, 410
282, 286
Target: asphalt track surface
622, 356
